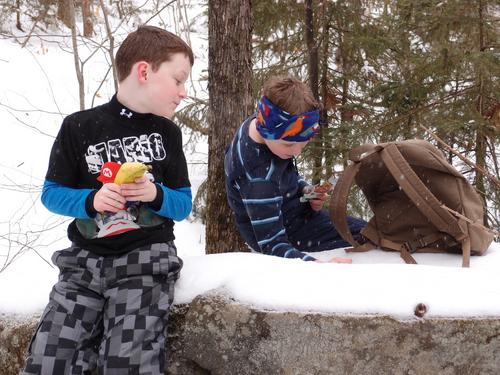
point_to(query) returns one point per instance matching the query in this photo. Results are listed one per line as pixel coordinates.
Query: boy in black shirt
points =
(109, 308)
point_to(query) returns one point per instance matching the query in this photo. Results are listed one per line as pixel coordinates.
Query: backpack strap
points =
(338, 202)
(423, 198)
(367, 246)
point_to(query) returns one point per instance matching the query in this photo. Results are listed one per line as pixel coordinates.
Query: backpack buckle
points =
(413, 246)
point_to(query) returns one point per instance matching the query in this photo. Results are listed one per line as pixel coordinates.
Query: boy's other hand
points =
(108, 198)
(318, 203)
(336, 260)
(142, 190)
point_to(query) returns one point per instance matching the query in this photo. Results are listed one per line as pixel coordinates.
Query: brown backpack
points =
(419, 201)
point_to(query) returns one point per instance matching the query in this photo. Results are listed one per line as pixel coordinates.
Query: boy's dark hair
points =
(151, 44)
(290, 94)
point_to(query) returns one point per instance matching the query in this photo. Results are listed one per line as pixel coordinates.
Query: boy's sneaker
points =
(112, 224)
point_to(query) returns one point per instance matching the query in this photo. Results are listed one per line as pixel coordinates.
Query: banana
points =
(129, 171)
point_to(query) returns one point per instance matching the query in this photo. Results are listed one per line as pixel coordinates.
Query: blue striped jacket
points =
(263, 191)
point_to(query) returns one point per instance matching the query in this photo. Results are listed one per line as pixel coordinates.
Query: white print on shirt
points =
(144, 149)
(124, 113)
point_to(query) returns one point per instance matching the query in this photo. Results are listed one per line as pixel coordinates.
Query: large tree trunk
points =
(230, 102)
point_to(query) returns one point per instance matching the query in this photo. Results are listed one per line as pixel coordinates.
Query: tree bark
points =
(313, 75)
(312, 49)
(88, 25)
(326, 102)
(65, 11)
(230, 93)
(481, 140)
(18, 16)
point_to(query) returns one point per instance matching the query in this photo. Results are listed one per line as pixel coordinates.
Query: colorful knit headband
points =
(273, 123)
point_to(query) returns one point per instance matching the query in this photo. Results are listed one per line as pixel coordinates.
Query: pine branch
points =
(473, 165)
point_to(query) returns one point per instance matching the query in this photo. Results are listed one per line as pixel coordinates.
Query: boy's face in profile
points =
(284, 149)
(166, 86)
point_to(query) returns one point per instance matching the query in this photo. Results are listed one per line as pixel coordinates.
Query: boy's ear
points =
(141, 71)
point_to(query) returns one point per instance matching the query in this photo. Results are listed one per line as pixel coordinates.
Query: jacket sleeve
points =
(173, 198)
(262, 202)
(66, 201)
(302, 184)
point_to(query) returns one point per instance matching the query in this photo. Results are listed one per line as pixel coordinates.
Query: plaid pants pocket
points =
(38, 329)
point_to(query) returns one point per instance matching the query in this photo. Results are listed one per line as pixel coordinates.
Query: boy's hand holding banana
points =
(122, 183)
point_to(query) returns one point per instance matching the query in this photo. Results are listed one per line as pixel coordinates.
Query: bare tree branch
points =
(78, 65)
(111, 43)
(40, 16)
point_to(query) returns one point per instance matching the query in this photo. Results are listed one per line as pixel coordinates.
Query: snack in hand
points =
(323, 188)
(319, 190)
(129, 171)
(125, 173)
(109, 223)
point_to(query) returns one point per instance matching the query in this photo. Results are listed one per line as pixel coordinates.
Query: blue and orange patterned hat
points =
(273, 123)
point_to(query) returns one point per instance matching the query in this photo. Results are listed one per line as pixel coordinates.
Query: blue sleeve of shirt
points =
(64, 200)
(68, 201)
(262, 202)
(177, 203)
(302, 184)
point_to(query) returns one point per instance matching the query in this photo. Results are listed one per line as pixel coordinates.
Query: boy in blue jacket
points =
(109, 308)
(262, 182)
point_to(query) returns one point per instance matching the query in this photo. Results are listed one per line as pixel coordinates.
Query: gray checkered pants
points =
(108, 313)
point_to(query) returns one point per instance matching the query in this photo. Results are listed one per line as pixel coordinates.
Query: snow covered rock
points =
(216, 335)
(15, 335)
(220, 336)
